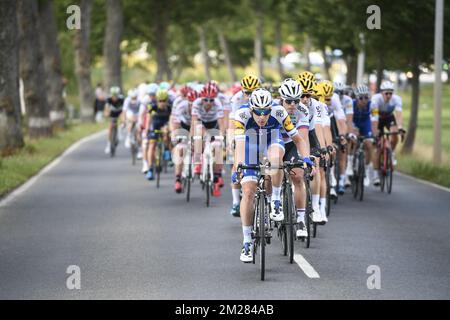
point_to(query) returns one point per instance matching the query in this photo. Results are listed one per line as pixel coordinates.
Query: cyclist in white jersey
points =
(290, 93)
(248, 84)
(131, 108)
(207, 114)
(317, 118)
(389, 109)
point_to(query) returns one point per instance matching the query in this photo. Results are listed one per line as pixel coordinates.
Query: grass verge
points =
(18, 168)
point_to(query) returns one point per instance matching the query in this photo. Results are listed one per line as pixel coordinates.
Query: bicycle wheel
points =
(262, 236)
(328, 180)
(113, 142)
(336, 174)
(290, 223)
(389, 171)
(361, 175)
(382, 170)
(188, 184)
(308, 218)
(133, 154)
(355, 177)
(207, 185)
(283, 225)
(158, 164)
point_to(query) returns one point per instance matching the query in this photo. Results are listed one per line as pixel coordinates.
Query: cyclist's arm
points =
(399, 114)
(374, 118)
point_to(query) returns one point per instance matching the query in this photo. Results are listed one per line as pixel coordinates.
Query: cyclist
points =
(362, 117)
(255, 123)
(249, 83)
(290, 93)
(114, 105)
(389, 106)
(345, 165)
(148, 99)
(131, 108)
(207, 113)
(317, 117)
(158, 120)
(182, 127)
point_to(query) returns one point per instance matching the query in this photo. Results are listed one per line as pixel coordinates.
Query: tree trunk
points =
(204, 50)
(111, 45)
(306, 51)
(352, 66)
(83, 63)
(279, 44)
(10, 118)
(52, 64)
(327, 64)
(32, 70)
(380, 69)
(161, 25)
(412, 126)
(226, 52)
(259, 41)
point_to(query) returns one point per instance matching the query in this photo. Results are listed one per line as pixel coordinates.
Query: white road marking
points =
(423, 181)
(17, 192)
(305, 266)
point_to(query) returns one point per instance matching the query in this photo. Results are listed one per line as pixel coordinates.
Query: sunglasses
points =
(162, 101)
(388, 93)
(290, 101)
(211, 100)
(247, 92)
(262, 112)
(306, 96)
(363, 98)
(327, 99)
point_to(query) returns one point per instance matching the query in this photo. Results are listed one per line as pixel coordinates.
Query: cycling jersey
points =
(160, 118)
(259, 139)
(131, 106)
(317, 113)
(347, 104)
(386, 108)
(214, 113)
(115, 106)
(236, 102)
(182, 113)
(225, 100)
(336, 109)
(362, 118)
(299, 118)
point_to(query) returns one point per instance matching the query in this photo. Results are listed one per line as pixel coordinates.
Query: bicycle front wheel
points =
(262, 236)
(389, 171)
(361, 175)
(158, 165)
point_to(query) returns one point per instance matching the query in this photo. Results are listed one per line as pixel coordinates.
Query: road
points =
(132, 241)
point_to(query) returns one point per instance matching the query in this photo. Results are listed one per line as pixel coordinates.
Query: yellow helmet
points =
(328, 88)
(307, 85)
(250, 83)
(162, 95)
(306, 75)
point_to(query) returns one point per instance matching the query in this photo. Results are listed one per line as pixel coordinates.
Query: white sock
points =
(315, 200)
(276, 193)
(323, 204)
(342, 180)
(247, 231)
(301, 215)
(269, 198)
(236, 196)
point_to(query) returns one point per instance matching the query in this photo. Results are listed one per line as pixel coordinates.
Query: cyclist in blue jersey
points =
(258, 134)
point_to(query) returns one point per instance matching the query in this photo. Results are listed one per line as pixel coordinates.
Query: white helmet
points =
(133, 93)
(114, 91)
(290, 89)
(362, 90)
(387, 86)
(260, 99)
(339, 87)
(152, 88)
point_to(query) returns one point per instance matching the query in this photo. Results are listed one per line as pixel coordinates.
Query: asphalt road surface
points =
(132, 241)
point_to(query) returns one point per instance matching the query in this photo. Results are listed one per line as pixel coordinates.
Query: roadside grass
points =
(19, 167)
(420, 162)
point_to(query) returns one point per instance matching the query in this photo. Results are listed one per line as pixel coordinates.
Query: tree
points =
(52, 63)
(111, 48)
(10, 119)
(32, 70)
(83, 62)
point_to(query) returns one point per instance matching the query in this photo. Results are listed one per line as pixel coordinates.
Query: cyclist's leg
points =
(249, 184)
